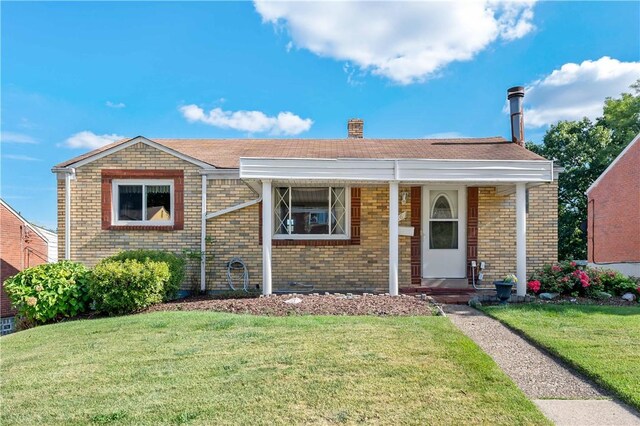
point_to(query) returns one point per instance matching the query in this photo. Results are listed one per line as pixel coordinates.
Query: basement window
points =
(143, 202)
(311, 212)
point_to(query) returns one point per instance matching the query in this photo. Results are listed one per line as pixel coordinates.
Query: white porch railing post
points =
(266, 236)
(393, 238)
(521, 238)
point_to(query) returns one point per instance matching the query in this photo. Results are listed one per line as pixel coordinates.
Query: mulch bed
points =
(309, 304)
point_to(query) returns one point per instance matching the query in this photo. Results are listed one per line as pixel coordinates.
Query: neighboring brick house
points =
(22, 245)
(353, 214)
(613, 230)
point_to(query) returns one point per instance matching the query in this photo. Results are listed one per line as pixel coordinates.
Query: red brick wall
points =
(614, 212)
(20, 248)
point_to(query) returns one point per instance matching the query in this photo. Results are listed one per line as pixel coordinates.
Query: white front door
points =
(444, 235)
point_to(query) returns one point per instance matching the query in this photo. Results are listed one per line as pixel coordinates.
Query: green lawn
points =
(214, 368)
(601, 341)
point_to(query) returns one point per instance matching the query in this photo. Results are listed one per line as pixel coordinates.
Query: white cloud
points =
(406, 42)
(18, 157)
(577, 90)
(286, 123)
(90, 140)
(14, 137)
(115, 104)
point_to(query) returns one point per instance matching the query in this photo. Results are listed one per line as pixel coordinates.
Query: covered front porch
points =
(439, 197)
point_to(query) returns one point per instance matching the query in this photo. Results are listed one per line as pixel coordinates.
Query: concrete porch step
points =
(445, 283)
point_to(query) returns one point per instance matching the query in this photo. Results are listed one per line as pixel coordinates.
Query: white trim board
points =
(405, 170)
(127, 144)
(613, 163)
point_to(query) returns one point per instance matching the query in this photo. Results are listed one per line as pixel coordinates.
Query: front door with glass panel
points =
(444, 232)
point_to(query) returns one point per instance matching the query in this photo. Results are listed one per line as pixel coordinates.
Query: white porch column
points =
(521, 238)
(203, 235)
(267, 226)
(393, 238)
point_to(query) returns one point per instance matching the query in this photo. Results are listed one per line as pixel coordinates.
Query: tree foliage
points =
(585, 149)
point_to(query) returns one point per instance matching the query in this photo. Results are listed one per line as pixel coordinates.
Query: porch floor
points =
(447, 291)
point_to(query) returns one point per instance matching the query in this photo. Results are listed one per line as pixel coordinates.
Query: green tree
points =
(622, 117)
(585, 149)
(577, 146)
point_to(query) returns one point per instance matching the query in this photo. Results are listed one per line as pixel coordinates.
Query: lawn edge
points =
(595, 379)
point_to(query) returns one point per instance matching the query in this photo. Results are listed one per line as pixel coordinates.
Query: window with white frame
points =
(311, 212)
(143, 202)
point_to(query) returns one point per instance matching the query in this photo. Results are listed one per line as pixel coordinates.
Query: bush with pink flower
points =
(570, 278)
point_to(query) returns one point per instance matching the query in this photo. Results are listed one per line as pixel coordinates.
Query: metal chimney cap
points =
(516, 91)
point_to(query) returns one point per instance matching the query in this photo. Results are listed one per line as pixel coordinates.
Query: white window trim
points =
(115, 202)
(345, 236)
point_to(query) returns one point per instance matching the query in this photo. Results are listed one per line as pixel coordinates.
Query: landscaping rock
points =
(293, 301)
(475, 302)
(604, 295)
(548, 296)
(629, 297)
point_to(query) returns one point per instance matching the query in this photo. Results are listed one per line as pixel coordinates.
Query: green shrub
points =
(618, 284)
(126, 286)
(50, 291)
(176, 267)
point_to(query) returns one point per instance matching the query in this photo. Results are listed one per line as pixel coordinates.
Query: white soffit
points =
(427, 170)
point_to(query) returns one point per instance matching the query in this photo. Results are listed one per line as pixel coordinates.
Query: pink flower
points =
(573, 264)
(534, 285)
(556, 268)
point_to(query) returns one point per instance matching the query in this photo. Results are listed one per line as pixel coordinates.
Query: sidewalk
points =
(562, 395)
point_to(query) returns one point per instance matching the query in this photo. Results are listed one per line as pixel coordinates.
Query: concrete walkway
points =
(562, 395)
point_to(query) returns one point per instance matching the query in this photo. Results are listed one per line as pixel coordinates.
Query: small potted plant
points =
(503, 288)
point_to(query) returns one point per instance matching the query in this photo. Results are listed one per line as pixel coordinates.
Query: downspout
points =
(67, 213)
(203, 235)
(238, 206)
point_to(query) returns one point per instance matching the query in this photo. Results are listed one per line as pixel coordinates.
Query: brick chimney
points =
(355, 128)
(515, 95)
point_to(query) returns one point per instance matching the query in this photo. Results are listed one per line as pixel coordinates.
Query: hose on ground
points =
(236, 264)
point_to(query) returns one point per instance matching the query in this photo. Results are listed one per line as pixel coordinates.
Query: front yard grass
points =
(601, 341)
(217, 368)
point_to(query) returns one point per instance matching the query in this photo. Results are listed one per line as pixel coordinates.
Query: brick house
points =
(613, 233)
(353, 214)
(22, 245)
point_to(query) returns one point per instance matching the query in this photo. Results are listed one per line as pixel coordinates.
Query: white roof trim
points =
(613, 163)
(127, 144)
(34, 228)
(406, 170)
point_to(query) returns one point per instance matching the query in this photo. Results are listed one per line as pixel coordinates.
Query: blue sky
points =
(77, 75)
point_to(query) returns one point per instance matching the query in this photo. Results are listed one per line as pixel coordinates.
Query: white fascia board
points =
(613, 163)
(221, 173)
(316, 169)
(414, 170)
(133, 141)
